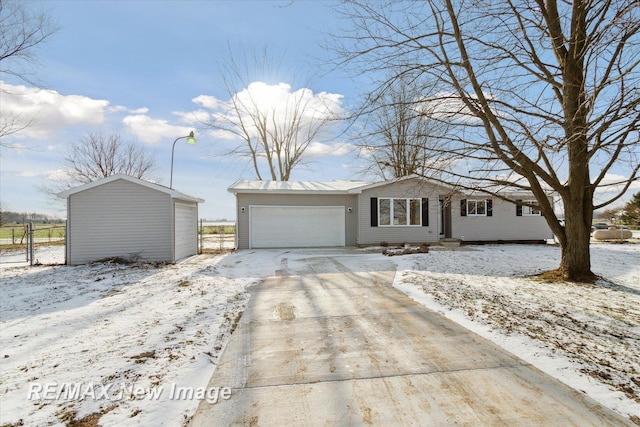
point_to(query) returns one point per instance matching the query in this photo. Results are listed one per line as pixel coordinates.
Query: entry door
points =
(445, 218)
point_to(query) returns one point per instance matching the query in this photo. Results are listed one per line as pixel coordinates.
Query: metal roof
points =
(173, 193)
(306, 187)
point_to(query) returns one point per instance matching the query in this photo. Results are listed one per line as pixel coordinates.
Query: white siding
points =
(504, 224)
(413, 188)
(122, 219)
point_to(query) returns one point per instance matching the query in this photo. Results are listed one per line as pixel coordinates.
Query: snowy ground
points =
(125, 336)
(588, 336)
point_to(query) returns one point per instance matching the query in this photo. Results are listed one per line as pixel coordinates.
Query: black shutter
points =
(518, 207)
(425, 212)
(374, 211)
(489, 207)
(463, 207)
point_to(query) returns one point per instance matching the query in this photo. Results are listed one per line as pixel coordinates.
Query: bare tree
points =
(22, 30)
(401, 134)
(274, 124)
(545, 95)
(98, 156)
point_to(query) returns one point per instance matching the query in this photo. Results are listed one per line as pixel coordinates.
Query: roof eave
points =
(281, 191)
(174, 194)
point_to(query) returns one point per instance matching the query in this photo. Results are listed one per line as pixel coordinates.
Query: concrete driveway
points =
(333, 343)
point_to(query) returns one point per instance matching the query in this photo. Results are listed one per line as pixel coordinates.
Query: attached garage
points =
(297, 226)
(122, 216)
(288, 214)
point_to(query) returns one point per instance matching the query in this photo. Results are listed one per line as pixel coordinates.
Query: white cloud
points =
(277, 102)
(122, 108)
(43, 111)
(29, 173)
(154, 131)
(197, 117)
(337, 149)
(56, 175)
(207, 101)
(613, 183)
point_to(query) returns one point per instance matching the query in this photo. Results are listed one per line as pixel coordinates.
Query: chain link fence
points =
(44, 244)
(216, 237)
(34, 244)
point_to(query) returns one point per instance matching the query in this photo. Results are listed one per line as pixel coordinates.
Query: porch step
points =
(450, 242)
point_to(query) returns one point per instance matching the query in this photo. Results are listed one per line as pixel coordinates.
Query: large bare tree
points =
(545, 95)
(274, 123)
(399, 135)
(22, 31)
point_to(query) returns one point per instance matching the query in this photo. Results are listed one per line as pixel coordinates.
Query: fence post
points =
(30, 243)
(66, 239)
(25, 235)
(201, 236)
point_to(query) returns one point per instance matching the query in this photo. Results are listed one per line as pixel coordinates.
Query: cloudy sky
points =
(149, 71)
(146, 70)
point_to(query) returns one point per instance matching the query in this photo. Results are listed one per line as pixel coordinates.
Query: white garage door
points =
(296, 226)
(186, 231)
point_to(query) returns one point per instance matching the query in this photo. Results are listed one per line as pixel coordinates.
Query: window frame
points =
(529, 210)
(407, 208)
(475, 210)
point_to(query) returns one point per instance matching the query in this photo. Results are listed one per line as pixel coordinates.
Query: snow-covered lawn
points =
(114, 342)
(114, 339)
(588, 336)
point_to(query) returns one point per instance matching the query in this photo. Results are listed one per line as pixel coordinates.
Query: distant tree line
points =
(9, 217)
(629, 214)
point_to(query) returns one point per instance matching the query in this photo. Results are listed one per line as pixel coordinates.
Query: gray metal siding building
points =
(122, 216)
(351, 213)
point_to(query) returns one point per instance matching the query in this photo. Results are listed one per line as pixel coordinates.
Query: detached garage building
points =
(122, 216)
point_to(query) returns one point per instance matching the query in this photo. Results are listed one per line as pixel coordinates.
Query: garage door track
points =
(334, 344)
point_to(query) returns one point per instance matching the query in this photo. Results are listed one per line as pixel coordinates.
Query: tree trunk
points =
(575, 263)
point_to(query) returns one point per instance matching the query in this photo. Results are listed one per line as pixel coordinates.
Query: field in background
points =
(16, 234)
(216, 237)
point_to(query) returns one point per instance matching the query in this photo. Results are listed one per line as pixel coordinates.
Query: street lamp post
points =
(191, 139)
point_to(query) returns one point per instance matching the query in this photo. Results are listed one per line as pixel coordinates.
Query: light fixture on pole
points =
(191, 139)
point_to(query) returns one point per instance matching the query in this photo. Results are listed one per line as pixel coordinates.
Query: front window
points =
(528, 209)
(385, 212)
(477, 207)
(399, 212)
(415, 211)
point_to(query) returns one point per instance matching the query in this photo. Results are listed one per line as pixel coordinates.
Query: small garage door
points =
(186, 231)
(296, 226)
